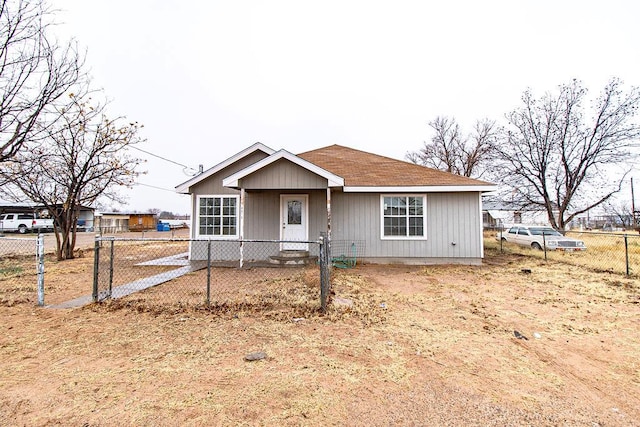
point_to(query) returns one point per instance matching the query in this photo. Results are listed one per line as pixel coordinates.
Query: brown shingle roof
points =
(362, 169)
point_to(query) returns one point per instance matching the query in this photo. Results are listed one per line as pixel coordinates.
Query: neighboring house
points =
(400, 212)
(111, 222)
(142, 221)
(86, 217)
(120, 222)
(18, 207)
(498, 213)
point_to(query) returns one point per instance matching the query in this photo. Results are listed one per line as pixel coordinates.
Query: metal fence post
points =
(40, 268)
(111, 268)
(209, 273)
(323, 303)
(324, 271)
(327, 269)
(626, 253)
(96, 267)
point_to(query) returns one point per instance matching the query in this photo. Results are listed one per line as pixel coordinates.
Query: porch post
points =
(329, 214)
(241, 228)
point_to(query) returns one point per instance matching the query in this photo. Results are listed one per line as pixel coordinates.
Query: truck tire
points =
(536, 246)
(22, 229)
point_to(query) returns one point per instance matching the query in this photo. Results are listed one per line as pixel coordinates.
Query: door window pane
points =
(294, 212)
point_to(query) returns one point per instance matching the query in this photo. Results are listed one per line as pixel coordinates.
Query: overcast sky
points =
(209, 78)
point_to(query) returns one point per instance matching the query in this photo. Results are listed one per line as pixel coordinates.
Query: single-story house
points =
(500, 213)
(111, 222)
(121, 222)
(13, 207)
(142, 221)
(399, 211)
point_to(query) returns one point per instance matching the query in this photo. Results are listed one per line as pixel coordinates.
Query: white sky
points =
(209, 78)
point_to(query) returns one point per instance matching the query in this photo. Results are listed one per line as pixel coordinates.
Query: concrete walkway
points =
(140, 284)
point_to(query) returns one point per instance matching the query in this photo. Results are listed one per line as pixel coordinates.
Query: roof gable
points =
(332, 179)
(184, 187)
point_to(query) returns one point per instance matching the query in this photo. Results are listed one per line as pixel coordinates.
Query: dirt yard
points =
(399, 346)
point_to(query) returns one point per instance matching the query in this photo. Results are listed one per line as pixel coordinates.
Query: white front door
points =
(294, 220)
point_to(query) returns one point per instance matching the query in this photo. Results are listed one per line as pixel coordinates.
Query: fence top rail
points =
(21, 239)
(183, 239)
(628, 233)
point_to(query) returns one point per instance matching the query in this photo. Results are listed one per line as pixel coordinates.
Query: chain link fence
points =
(21, 270)
(347, 253)
(610, 252)
(216, 275)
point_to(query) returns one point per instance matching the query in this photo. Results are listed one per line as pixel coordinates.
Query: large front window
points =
(218, 216)
(403, 216)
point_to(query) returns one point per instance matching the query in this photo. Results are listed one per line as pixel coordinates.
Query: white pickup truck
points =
(24, 222)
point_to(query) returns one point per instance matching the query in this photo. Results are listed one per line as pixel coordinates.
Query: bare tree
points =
(35, 71)
(620, 211)
(83, 157)
(451, 151)
(167, 215)
(554, 157)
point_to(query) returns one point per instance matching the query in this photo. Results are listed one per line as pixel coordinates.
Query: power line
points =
(157, 188)
(164, 158)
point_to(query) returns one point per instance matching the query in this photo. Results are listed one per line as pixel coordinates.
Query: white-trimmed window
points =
(218, 216)
(403, 216)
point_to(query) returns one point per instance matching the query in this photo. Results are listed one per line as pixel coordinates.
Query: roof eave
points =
(184, 187)
(420, 189)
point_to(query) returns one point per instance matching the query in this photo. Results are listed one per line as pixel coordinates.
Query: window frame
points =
(406, 236)
(237, 216)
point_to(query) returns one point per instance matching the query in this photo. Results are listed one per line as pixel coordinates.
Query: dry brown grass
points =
(271, 291)
(18, 279)
(605, 252)
(405, 346)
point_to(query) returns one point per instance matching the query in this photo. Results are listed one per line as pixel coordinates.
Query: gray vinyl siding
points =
(282, 175)
(317, 213)
(262, 222)
(451, 218)
(213, 184)
(262, 214)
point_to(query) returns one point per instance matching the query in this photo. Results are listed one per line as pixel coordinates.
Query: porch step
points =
(293, 253)
(292, 258)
